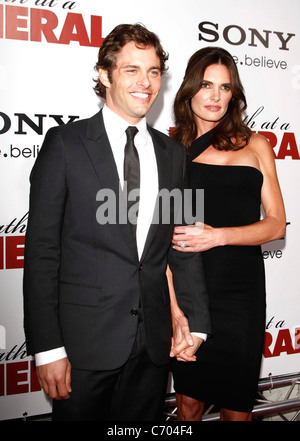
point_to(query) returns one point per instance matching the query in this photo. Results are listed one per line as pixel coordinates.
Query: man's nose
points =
(144, 80)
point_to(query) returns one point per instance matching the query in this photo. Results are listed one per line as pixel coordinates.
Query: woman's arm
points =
(184, 345)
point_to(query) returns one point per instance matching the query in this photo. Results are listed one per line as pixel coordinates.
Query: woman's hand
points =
(194, 238)
(184, 344)
(182, 339)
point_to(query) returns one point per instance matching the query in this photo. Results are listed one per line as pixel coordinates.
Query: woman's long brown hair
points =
(231, 133)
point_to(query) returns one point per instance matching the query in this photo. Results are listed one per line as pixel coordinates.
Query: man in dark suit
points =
(96, 300)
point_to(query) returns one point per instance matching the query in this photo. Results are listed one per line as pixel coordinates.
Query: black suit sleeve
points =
(190, 289)
(43, 246)
(189, 283)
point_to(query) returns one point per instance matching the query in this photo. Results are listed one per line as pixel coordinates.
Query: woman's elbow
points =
(281, 229)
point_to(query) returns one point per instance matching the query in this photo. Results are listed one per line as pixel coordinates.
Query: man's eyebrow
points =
(127, 66)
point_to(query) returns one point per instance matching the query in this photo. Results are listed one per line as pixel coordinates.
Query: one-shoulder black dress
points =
(227, 369)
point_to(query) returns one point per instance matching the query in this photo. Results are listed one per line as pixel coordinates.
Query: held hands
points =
(194, 238)
(55, 379)
(184, 345)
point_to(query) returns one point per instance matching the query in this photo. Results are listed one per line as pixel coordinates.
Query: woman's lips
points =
(213, 108)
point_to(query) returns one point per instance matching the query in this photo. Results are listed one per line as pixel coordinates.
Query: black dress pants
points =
(133, 392)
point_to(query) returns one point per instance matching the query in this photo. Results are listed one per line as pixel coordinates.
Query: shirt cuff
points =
(200, 335)
(50, 356)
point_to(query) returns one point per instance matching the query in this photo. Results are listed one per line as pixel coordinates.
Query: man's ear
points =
(103, 77)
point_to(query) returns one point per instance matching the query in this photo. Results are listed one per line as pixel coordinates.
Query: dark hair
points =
(231, 133)
(113, 43)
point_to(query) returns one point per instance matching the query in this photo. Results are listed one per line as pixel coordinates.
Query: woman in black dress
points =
(237, 171)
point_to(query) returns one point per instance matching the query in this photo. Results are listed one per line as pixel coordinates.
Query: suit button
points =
(140, 267)
(134, 312)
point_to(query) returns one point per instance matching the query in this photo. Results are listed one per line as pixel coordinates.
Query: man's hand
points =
(184, 345)
(189, 353)
(55, 379)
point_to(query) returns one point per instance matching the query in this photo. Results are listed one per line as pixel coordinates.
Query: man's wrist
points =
(200, 335)
(50, 356)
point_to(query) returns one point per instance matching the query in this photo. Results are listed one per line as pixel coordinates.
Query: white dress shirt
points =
(115, 128)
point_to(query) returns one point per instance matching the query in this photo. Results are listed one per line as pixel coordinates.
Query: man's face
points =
(136, 82)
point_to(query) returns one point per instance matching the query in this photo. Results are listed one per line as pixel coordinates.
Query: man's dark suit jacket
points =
(83, 281)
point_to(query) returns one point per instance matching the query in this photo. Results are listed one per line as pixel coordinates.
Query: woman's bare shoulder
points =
(260, 145)
(262, 149)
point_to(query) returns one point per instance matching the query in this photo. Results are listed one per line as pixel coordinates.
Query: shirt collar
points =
(115, 126)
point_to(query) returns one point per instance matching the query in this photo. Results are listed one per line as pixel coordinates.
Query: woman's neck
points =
(205, 126)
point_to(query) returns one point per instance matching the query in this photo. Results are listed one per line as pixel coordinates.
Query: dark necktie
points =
(132, 175)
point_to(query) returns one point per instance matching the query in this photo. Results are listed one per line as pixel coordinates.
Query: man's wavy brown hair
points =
(231, 133)
(113, 43)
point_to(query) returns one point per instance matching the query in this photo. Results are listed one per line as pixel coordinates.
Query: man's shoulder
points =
(74, 127)
(166, 139)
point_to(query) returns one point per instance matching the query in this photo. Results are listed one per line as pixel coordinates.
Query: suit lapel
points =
(101, 156)
(163, 160)
(164, 179)
(100, 153)
(99, 150)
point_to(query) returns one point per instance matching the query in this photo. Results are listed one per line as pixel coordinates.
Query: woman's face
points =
(211, 102)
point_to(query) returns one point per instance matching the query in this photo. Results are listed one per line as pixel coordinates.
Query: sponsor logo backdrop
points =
(48, 51)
